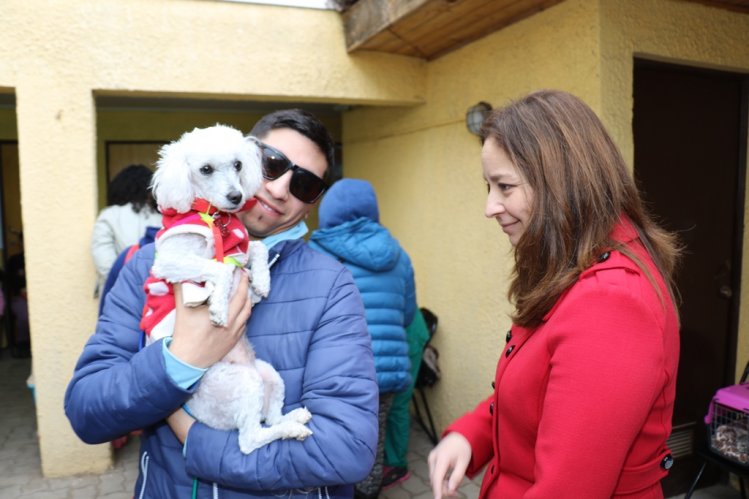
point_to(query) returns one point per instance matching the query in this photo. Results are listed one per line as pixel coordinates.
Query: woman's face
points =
(510, 197)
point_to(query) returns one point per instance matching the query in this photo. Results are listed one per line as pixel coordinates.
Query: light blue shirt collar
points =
(299, 230)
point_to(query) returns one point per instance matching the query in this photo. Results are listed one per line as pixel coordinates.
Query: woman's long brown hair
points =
(581, 188)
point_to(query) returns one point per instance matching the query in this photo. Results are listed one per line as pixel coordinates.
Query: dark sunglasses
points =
(305, 185)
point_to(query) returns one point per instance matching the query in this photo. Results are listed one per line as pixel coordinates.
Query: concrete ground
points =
(20, 468)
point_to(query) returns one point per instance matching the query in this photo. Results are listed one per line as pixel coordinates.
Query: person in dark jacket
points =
(311, 328)
(122, 259)
(350, 231)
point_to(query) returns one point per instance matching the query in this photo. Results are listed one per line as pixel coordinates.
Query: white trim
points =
(306, 4)
(144, 471)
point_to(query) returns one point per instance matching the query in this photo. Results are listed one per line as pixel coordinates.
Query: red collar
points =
(204, 206)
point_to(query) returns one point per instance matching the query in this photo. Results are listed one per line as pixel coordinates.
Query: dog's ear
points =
(251, 176)
(171, 182)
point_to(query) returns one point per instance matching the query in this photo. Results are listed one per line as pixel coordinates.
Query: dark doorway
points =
(14, 315)
(690, 151)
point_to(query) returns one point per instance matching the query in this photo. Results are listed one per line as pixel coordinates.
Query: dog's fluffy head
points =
(217, 164)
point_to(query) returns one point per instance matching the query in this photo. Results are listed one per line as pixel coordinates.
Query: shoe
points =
(392, 476)
(361, 495)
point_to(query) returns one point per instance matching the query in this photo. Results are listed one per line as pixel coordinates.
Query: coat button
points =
(508, 337)
(667, 462)
(509, 350)
(604, 256)
(491, 408)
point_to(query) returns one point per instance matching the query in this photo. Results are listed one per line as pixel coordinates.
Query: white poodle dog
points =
(201, 181)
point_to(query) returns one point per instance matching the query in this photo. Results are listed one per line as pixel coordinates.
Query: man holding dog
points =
(311, 328)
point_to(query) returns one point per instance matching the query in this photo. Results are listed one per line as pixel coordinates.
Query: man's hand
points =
(198, 342)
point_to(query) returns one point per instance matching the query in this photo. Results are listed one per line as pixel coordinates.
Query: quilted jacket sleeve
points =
(411, 304)
(341, 393)
(116, 388)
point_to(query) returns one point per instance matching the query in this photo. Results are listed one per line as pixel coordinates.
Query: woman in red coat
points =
(585, 386)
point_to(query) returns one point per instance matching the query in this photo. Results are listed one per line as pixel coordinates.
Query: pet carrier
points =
(727, 424)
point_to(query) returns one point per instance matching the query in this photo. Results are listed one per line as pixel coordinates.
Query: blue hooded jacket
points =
(350, 231)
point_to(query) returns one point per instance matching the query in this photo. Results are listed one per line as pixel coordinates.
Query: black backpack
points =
(429, 371)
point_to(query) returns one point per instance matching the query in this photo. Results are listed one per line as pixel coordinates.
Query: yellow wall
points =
(426, 167)
(56, 56)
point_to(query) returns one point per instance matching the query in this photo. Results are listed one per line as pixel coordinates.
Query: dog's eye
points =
(238, 166)
(206, 169)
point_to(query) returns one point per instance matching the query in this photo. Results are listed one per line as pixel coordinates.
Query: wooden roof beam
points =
(367, 18)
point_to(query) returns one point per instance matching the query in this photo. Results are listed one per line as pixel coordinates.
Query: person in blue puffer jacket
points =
(351, 232)
(311, 328)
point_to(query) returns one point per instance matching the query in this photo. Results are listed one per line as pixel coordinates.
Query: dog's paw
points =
(254, 297)
(261, 287)
(258, 269)
(218, 318)
(195, 294)
(299, 415)
(298, 431)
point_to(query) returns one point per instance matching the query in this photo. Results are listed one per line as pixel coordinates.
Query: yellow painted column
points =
(57, 157)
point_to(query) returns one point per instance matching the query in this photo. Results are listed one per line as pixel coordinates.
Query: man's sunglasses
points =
(305, 185)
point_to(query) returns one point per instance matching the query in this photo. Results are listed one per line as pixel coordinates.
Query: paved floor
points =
(20, 468)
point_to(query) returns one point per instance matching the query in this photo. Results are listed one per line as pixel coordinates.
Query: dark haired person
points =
(311, 328)
(585, 387)
(130, 210)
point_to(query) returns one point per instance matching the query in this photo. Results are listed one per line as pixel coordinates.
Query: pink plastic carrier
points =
(728, 423)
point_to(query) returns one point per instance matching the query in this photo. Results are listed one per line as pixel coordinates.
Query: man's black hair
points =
(306, 124)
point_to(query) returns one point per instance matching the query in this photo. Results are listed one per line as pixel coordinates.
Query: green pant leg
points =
(398, 428)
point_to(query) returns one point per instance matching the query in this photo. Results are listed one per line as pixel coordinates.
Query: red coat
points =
(583, 403)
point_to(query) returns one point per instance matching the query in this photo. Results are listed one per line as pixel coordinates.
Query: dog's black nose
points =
(234, 197)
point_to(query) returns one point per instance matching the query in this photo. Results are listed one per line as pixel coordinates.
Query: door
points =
(689, 136)
(15, 318)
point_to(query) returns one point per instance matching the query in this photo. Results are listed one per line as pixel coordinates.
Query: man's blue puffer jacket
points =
(311, 328)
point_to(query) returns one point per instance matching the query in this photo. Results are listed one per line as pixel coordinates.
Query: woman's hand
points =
(198, 342)
(449, 459)
(180, 422)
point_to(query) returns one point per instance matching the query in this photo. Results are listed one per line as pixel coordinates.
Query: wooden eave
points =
(431, 28)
